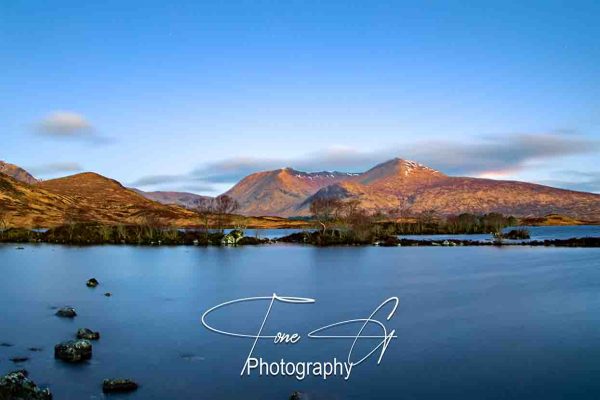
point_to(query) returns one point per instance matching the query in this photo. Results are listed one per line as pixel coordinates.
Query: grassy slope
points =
(91, 197)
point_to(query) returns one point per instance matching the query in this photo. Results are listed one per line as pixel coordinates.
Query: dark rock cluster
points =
(17, 386)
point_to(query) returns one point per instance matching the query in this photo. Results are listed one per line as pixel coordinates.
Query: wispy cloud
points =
(69, 125)
(55, 168)
(576, 180)
(492, 156)
(499, 154)
(150, 180)
(502, 154)
(184, 182)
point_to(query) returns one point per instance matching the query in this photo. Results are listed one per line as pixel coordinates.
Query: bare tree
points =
(204, 210)
(224, 207)
(324, 210)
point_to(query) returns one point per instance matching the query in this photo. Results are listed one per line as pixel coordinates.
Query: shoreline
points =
(581, 242)
(144, 235)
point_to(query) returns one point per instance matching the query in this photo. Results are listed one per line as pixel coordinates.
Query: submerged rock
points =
(35, 349)
(118, 385)
(18, 360)
(73, 350)
(16, 386)
(298, 396)
(108, 294)
(66, 312)
(92, 283)
(88, 334)
(4, 344)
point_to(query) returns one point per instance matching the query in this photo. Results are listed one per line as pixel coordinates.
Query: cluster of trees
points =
(429, 222)
(347, 222)
(346, 218)
(217, 213)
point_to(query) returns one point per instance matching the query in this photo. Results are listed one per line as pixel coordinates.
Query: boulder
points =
(87, 334)
(17, 386)
(66, 312)
(92, 283)
(108, 294)
(118, 385)
(73, 350)
(233, 237)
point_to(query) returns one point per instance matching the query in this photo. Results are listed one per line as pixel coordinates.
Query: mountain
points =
(285, 192)
(17, 172)
(411, 186)
(184, 199)
(279, 192)
(89, 197)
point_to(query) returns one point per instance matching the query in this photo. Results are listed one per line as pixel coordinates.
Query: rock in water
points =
(66, 312)
(73, 350)
(118, 385)
(92, 282)
(19, 359)
(297, 396)
(16, 385)
(88, 334)
(108, 294)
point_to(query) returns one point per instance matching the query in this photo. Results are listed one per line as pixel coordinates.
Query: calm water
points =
(473, 323)
(536, 233)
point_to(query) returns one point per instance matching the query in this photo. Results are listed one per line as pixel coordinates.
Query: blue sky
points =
(192, 95)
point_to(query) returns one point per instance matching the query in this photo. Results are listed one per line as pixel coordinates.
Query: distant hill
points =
(411, 186)
(17, 172)
(89, 197)
(184, 199)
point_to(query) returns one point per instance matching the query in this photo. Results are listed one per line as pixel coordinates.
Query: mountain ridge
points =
(395, 184)
(414, 187)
